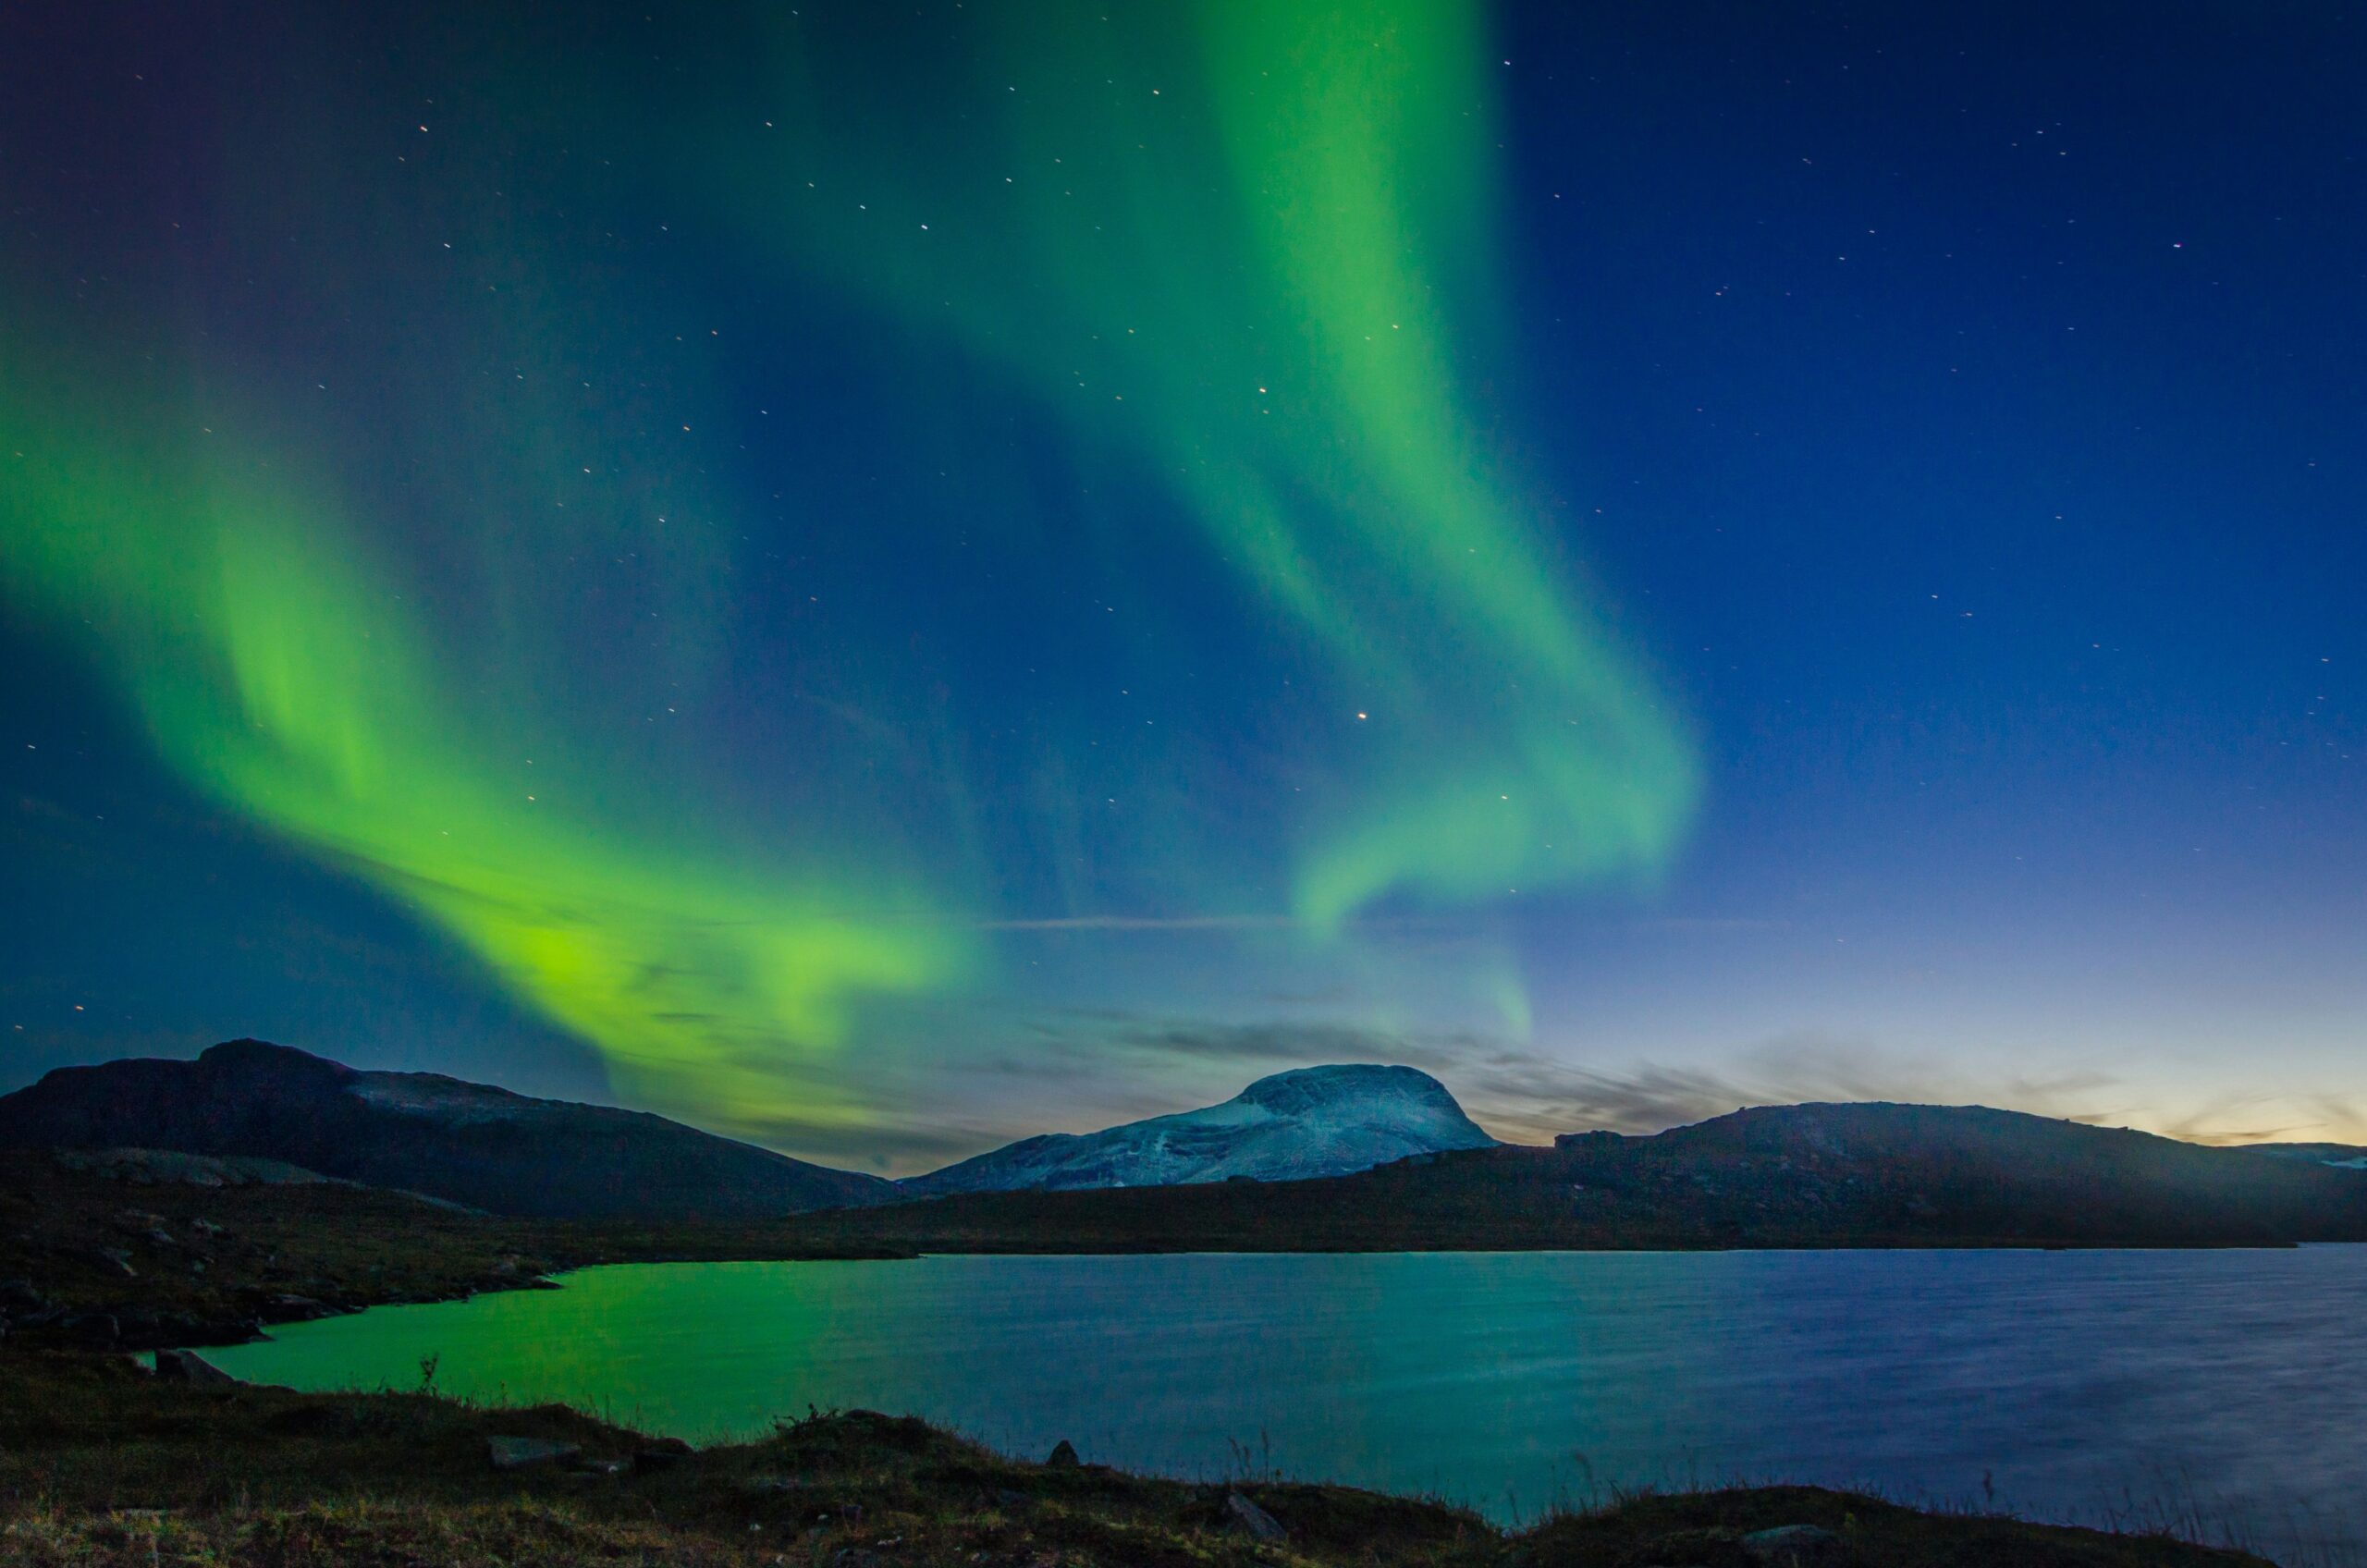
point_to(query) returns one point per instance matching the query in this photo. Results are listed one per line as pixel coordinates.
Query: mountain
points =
(1314, 1122)
(424, 1133)
(1779, 1176)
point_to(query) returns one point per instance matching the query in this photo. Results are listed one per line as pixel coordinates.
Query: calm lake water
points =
(2088, 1386)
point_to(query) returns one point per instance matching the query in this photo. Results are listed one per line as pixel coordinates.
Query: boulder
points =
(660, 1454)
(517, 1453)
(187, 1367)
(1795, 1546)
(1063, 1457)
(1260, 1525)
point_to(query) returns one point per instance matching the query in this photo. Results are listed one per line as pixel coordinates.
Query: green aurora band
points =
(1240, 238)
(1244, 249)
(237, 614)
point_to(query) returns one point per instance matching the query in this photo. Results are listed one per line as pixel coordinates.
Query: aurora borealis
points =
(878, 581)
(246, 605)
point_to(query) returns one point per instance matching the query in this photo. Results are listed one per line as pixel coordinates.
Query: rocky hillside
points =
(1314, 1122)
(465, 1142)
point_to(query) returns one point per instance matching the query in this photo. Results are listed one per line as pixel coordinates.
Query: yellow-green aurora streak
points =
(269, 673)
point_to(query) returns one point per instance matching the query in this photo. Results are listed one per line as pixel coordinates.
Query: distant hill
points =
(2348, 1156)
(1788, 1176)
(465, 1142)
(1313, 1121)
(1423, 1176)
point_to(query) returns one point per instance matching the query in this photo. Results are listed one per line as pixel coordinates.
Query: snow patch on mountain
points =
(1313, 1121)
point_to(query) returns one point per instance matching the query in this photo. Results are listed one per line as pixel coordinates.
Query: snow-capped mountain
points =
(1313, 1121)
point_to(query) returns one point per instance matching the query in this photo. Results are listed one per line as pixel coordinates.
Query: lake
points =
(2087, 1386)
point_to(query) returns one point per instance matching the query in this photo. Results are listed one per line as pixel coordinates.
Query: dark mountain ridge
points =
(1779, 1176)
(1810, 1175)
(466, 1143)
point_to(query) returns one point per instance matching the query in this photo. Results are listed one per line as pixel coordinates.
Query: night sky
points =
(882, 579)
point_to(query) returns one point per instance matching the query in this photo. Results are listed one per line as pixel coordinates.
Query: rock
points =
(187, 1367)
(660, 1454)
(1711, 1548)
(1794, 1546)
(1254, 1519)
(604, 1467)
(516, 1454)
(116, 1258)
(1063, 1457)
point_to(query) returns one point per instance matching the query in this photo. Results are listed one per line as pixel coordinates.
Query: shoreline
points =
(97, 1262)
(102, 1465)
(106, 1464)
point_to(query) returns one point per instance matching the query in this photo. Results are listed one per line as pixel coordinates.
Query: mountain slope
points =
(1314, 1122)
(1783, 1176)
(467, 1142)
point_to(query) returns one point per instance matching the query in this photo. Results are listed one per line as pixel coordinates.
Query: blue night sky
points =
(860, 581)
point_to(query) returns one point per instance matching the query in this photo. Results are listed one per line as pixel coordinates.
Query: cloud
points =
(1526, 1096)
(2268, 1118)
(1289, 1040)
(1532, 1096)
